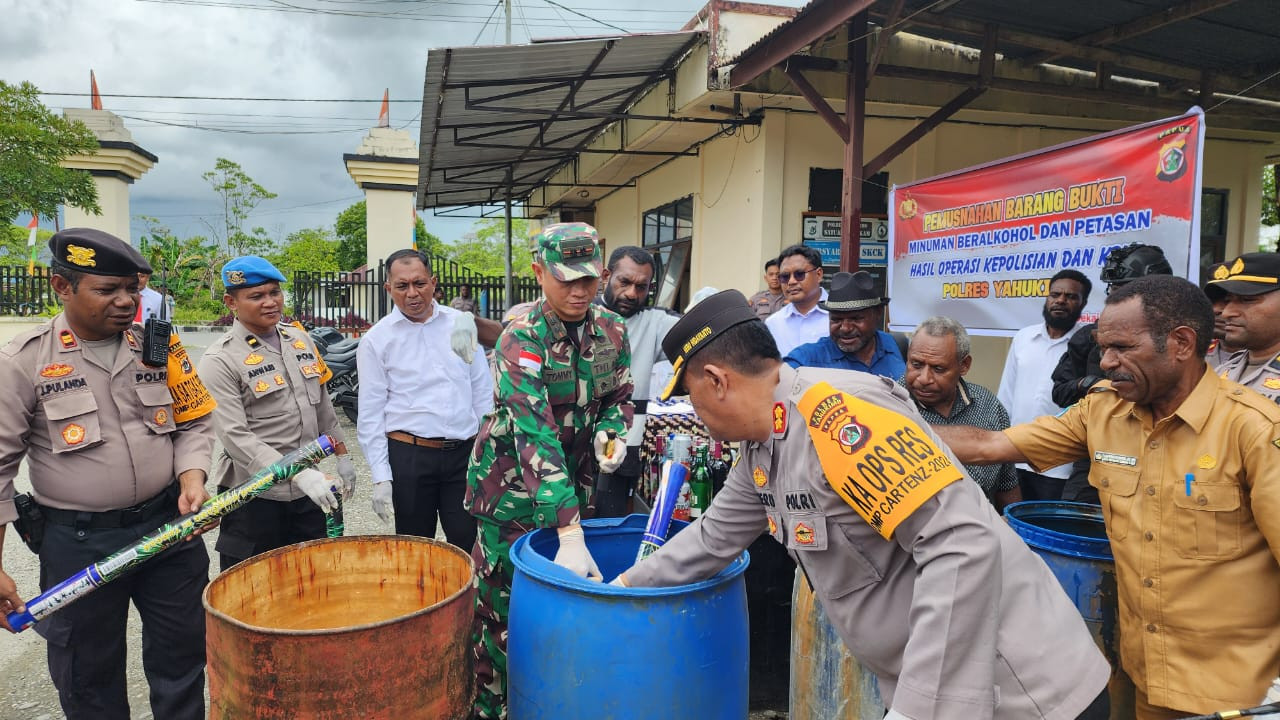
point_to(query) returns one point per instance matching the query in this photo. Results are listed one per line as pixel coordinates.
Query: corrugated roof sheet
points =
(525, 109)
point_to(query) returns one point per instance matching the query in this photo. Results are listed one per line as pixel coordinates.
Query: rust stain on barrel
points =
(375, 627)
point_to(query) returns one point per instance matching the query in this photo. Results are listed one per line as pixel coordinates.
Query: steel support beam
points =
(924, 128)
(819, 103)
(806, 29)
(855, 111)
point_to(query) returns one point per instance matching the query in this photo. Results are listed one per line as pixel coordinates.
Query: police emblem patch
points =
(236, 277)
(56, 370)
(761, 479)
(81, 256)
(161, 417)
(804, 534)
(1272, 383)
(1207, 462)
(852, 436)
(299, 345)
(279, 379)
(73, 434)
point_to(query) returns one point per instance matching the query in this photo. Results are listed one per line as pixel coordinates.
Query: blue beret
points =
(248, 271)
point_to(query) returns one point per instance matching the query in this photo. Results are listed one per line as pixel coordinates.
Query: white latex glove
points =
(895, 715)
(316, 486)
(463, 338)
(609, 461)
(382, 501)
(573, 553)
(619, 581)
(347, 472)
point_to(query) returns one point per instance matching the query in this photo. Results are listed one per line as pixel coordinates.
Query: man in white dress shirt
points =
(1026, 387)
(420, 406)
(801, 320)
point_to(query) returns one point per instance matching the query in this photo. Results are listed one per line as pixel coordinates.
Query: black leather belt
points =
(161, 506)
(435, 443)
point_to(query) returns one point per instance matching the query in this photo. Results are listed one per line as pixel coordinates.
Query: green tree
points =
(13, 245)
(353, 240)
(312, 249)
(1270, 198)
(185, 268)
(33, 143)
(240, 195)
(484, 248)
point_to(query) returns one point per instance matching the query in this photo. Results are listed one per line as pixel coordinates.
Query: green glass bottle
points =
(334, 526)
(700, 483)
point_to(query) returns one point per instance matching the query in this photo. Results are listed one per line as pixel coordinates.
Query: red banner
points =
(979, 245)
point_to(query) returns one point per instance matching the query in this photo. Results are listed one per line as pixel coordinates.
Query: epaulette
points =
(19, 341)
(1213, 346)
(1255, 400)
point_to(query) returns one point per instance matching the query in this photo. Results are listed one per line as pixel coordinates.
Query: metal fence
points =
(23, 293)
(352, 301)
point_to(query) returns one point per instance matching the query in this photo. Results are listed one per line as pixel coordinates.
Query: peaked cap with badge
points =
(96, 252)
(852, 291)
(1250, 274)
(702, 324)
(249, 271)
(571, 251)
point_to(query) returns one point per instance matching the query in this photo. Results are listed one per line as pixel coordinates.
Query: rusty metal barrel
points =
(827, 681)
(355, 627)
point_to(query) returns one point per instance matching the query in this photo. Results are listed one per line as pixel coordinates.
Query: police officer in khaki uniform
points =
(1251, 320)
(922, 580)
(269, 380)
(114, 448)
(1187, 465)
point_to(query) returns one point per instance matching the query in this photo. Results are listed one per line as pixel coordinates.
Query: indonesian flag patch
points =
(529, 360)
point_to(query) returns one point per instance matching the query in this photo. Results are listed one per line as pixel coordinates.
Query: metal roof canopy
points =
(499, 121)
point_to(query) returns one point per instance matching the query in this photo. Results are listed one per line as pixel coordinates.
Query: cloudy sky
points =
(287, 49)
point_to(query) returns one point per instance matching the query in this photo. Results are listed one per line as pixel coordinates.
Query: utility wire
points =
(492, 12)
(566, 8)
(217, 97)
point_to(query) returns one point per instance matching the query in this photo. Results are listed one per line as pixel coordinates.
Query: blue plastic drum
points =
(578, 649)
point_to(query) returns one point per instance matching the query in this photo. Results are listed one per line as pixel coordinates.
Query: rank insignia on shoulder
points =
(779, 418)
(253, 359)
(262, 386)
(133, 342)
(67, 339)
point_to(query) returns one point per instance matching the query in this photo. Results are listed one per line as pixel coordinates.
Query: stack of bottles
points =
(687, 474)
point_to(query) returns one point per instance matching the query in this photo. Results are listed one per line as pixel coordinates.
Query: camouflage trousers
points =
(494, 572)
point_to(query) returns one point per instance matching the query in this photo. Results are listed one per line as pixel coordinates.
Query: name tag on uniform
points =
(1114, 458)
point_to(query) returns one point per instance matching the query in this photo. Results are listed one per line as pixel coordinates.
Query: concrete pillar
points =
(116, 165)
(385, 166)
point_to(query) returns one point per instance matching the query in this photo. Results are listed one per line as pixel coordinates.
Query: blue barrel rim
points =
(538, 567)
(1054, 541)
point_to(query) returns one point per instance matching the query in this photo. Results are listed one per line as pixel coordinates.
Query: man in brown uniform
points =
(114, 448)
(1246, 290)
(1186, 464)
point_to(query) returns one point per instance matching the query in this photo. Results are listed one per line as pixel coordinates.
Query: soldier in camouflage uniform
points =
(563, 385)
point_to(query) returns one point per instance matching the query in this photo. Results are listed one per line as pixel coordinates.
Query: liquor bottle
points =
(700, 483)
(333, 523)
(719, 468)
(681, 451)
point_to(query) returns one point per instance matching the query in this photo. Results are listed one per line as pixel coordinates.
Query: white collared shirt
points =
(791, 329)
(1026, 387)
(411, 381)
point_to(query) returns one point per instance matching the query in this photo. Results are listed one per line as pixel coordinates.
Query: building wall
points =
(751, 188)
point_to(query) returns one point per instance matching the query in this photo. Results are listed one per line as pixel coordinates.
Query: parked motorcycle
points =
(339, 353)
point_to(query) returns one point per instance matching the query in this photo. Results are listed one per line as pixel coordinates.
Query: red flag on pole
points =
(384, 117)
(96, 101)
(31, 243)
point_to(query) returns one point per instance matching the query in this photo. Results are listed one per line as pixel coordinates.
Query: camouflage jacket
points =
(533, 455)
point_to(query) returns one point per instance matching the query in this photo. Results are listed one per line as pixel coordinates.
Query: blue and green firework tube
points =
(168, 535)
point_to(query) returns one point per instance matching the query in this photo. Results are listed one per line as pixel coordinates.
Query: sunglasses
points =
(799, 275)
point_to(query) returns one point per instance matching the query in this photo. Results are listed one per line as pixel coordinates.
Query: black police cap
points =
(96, 252)
(702, 324)
(1250, 274)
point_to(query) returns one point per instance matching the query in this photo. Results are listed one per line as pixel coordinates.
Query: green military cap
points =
(569, 250)
(698, 328)
(96, 252)
(1250, 274)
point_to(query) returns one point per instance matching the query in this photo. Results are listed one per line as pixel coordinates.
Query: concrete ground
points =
(26, 692)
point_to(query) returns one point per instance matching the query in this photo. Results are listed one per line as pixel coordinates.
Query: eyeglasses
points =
(785, 277)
